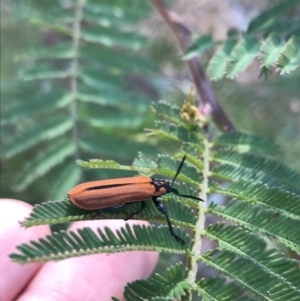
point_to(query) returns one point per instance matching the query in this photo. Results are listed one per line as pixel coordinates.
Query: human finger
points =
(92, 277)
(14, 276)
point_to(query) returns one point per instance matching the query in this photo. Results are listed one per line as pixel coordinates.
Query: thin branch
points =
(209, 104)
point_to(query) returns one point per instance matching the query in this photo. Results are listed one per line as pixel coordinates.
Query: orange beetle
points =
(112, 193)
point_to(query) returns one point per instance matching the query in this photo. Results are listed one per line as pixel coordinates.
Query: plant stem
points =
(74, 72)
(200, 225)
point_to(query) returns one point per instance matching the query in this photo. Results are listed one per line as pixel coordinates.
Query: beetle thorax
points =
(158, 184)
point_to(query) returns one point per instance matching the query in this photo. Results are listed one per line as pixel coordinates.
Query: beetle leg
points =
(143, 206)
(163, 209)
(102, 211)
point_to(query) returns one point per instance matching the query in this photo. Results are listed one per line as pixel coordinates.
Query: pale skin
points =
(92, 277)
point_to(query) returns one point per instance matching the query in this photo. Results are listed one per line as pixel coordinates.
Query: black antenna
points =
(188, 196)
(175, 190)
(178, 169)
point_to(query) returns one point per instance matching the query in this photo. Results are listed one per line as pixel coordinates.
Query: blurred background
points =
(78, 78)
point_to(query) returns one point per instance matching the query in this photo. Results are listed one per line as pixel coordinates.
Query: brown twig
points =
(209, 104)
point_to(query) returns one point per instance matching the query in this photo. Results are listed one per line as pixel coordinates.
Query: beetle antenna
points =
(188, 196)
(178, 170)
(175, 190)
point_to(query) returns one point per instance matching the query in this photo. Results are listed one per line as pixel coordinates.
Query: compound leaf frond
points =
(266, 222)
(85, 241)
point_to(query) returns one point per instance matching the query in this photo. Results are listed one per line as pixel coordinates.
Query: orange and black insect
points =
(112, 193)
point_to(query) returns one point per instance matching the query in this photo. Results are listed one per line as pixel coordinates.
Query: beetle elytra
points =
(112, 193)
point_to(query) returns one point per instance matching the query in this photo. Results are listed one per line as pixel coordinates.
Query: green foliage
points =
(202, 44)
(75, 84)
(290, 57)
(246, 142)
(64, 245)
(264, 204)
(270, 16)
(273, 41)
(174, 285)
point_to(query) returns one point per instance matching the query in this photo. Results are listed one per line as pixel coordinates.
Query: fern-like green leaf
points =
(144, 162)
(289, 58)
(109, 96)
(97, 78)
(270, 50)
(242, 55)
(44, 71)
(272, 198)
(55, 26)
(266, 222)
(235, 173)
(55, 14)
(246, 142)
(117, 12)
(110, 117)
(100, 80)
(108, 16)
(111, 37)
(54, 212)
(46, 130)
(286, 26)
(270, 16)
(176, 133)
(216, 289)
(97, 163)
(234, 57)
(94, 146)
(188, 174)
(264, 285)
(64, 244)
(200, 45)
(66, 177)
(119, 60)
(39, 166)
(37, 107)
(60, 51)
(168, 111)
(272, 169)
(252, 247)
(174, 285)
(217, 65)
